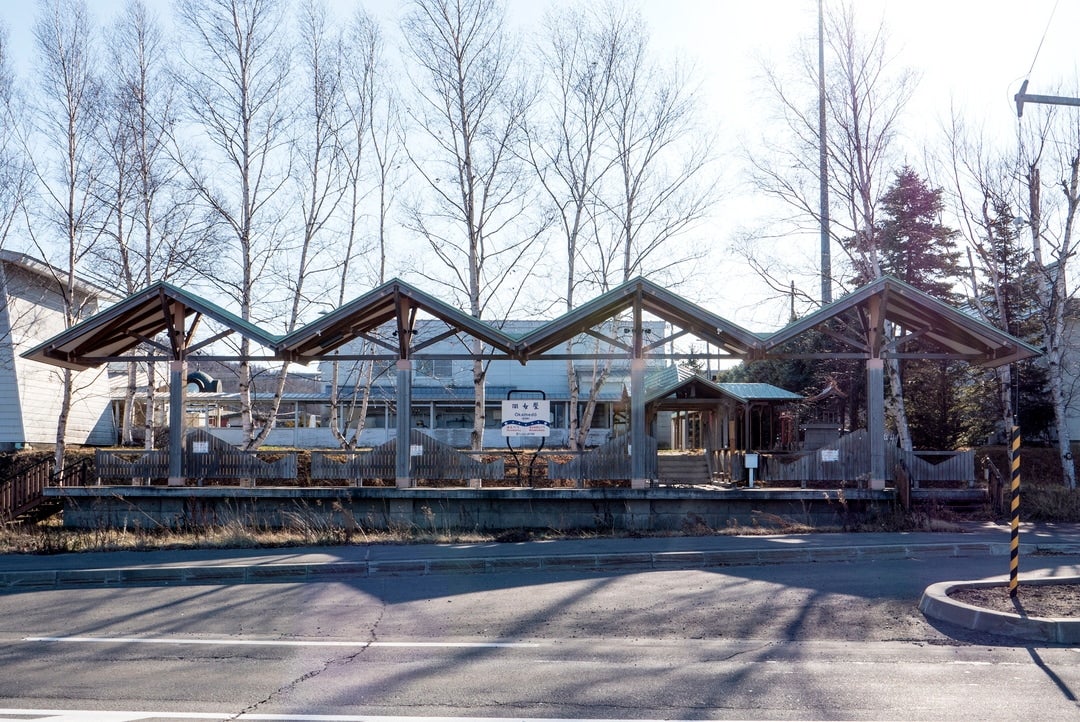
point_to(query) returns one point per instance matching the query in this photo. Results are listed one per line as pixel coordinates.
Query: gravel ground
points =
(1033, 600)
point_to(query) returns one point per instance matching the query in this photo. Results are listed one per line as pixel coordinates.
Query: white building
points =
(33, 311)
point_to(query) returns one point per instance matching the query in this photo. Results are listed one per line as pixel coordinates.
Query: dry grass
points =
(51, 538)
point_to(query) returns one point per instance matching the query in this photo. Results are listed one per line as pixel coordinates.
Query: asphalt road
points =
(841, 640)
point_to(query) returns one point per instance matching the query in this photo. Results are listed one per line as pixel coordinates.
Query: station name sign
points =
(526, 417)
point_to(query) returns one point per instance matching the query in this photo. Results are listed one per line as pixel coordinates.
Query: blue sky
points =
(973, 54)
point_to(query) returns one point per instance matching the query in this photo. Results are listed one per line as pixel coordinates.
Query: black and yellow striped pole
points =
(1014, 540)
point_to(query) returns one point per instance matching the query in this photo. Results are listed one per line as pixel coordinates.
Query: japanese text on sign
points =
(526, 417)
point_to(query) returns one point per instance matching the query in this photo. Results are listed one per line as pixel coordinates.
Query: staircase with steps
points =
(22, 500)
(683, 468)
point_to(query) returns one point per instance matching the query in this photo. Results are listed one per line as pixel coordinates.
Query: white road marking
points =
(275, 642)
(65, 715)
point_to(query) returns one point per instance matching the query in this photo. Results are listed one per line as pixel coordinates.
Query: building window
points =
(435, 368)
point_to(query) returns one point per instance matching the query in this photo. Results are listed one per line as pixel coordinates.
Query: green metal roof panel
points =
(741, 392)
(130, 322)
(759, 392)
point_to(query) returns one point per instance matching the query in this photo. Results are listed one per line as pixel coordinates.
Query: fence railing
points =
(135, 466)
(850, 462)
(607, 461)
(428, 459)
(218, 464)
(24, 488)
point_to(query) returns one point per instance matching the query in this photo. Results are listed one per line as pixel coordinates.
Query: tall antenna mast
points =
(823, 169)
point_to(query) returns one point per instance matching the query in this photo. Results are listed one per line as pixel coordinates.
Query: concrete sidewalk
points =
(237, 566)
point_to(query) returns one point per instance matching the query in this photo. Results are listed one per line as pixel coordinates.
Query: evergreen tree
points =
(917, 248)
(1018, 313)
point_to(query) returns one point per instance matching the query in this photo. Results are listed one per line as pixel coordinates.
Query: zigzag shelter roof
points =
(854, 324)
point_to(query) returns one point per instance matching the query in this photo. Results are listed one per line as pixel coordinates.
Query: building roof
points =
(139, 319)
(687, 384)
(856, 322)
(642, 295)
(57, 275)
(394, 300)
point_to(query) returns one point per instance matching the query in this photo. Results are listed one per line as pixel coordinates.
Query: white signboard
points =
(526, 417)
(830, 455)
(200, 447)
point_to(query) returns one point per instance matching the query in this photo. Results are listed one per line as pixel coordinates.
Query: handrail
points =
(24, 489)
(79, 473)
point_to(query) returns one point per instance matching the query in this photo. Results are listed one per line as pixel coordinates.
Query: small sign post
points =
(525, 417)
(750, 461)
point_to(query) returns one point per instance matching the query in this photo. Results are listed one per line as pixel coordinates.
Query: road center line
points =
(277, 642)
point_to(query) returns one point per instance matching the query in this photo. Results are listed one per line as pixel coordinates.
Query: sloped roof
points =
(394, 299)
(162, 307)
(139, 319)
(956, 334)
(740, 392)
(58, 276)
(758, 392)
(654, 299)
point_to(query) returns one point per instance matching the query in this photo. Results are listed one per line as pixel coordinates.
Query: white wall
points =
(33, 316)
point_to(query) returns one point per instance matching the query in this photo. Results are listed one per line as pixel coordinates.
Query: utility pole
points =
(1023, 97)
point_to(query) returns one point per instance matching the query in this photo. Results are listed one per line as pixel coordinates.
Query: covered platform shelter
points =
(158, 323)
(400, 303)
(627, 304)
(888, 319)
(726, 420)
(880, 321)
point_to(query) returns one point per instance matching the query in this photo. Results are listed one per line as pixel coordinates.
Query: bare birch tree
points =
(982, 188)
(15, 170)
(864, 97)
(372, 143)
(664, 184)
(15, 185)
(470, 106)
(1052, 202)
(319, 179)
(234, 76)
(68, 171)
(568, 152)
(621, 159)
(153, 231)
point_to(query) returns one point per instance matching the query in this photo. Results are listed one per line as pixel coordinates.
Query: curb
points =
(25, 580)
(937, 604)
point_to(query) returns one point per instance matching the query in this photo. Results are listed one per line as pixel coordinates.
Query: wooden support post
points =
(177, 384)
(875, 420)
(403, 460)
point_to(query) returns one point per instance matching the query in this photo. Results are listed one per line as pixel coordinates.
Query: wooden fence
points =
(430, 459)
(143, 466)
(609, 461)
(134, 466)
(850, 462)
